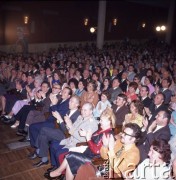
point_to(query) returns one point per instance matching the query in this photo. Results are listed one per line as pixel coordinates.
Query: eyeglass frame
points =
(126, 134)
(55, 87)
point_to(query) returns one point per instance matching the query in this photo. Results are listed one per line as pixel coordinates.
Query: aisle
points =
(14, 164)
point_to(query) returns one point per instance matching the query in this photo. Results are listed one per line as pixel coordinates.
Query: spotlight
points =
(163, 28)
(92, 30)
(158, 28)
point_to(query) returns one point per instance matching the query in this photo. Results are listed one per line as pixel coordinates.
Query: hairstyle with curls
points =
(163, 148)
(138, 105)
(93, 84)
(108, 113)
(134, 85)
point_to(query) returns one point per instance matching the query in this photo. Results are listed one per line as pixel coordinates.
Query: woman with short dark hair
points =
(155, 167)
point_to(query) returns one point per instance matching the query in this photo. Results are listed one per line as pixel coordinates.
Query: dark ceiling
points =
(157, 3)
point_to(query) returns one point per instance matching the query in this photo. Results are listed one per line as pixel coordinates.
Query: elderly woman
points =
(74, 160)
(136, 115)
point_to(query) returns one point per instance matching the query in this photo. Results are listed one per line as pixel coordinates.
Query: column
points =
(170, 22)
(101, 24)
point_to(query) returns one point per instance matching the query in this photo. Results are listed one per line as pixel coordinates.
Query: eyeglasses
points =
(56, 88)
(126, 134)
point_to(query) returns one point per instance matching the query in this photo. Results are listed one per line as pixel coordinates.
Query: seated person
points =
(172, 143)
(120, 109)
(156, 166)
(90, 95)
(172, 124)
(8, 100)
(48, 134)
(75, 159)
(85, 121)
(102, 105)
(131, 93)
(21, 116)
(123, 152)
(158, 130)
(136, 115)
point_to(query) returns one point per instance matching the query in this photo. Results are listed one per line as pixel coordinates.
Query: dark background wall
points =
(52, 21)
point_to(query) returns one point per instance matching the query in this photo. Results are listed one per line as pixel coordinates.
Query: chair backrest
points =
(117, 129)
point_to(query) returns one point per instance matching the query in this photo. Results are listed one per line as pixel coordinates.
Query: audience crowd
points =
(118, 103)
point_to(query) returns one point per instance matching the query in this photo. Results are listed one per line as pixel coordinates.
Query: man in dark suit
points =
(167, 92)
(121, 70)
(124, 84)
(114, 74)
(120, 109)
(62, 107)
(158, 130)
(41, 113)
(115, 90)
(156, 106)
(144, 92)
(47, 134)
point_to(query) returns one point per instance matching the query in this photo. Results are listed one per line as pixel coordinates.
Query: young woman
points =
(136, 115)
(102, 104)
(81, 88)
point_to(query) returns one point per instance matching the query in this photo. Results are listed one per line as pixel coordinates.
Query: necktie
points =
(117, 109)
(119, 152)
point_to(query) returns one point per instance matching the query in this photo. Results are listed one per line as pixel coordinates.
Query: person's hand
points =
(57, 116)
(114, 102)
(152, 127)
(145, 123)
(129, 100)
(82, 132)
(89, 134)
(147, 111)
(42, 94)
(54, 99)
(105, 140)
(118, 136)
(111, 142)
(68, 121)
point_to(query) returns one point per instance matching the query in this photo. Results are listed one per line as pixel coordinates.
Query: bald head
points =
(87, 110)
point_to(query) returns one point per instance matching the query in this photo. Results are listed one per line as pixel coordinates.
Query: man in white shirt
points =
(158, 130)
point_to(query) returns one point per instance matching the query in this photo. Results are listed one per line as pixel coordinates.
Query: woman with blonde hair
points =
(74, 160)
